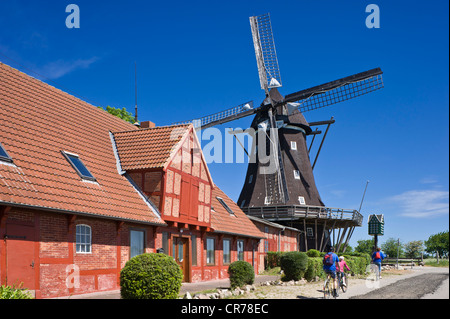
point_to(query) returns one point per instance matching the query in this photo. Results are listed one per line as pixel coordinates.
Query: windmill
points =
(281, 187)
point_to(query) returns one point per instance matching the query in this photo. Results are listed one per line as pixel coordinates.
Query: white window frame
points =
(296, 174)
(83, 239)
(293, 145)
(301, 200)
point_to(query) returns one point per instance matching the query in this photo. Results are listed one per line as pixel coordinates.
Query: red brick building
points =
(276, 238)
(81, 192)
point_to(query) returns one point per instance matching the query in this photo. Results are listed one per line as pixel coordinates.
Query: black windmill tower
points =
(279, 185)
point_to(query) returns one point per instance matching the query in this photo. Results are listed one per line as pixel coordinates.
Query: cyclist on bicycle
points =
(329, 267)
(342, 266)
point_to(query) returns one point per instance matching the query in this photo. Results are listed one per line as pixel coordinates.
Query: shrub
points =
(241, 273)
(273, 259)
(315, 268)
(313, 253)
(150, 276)
(294, 265)
(8, 292)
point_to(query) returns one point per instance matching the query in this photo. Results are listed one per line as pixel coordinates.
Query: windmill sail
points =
(227, 115)
(337, 91)
(266, 55)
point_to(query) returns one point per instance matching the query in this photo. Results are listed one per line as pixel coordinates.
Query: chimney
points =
(147, 124)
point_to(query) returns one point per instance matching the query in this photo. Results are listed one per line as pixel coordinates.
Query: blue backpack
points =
(328, 259)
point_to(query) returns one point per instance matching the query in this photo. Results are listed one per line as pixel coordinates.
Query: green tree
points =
(364, 246)
(120, 113)
(390, 247)
(438, 243)
(413, 249)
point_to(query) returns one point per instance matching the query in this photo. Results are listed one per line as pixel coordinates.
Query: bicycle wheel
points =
(343, 283)
(327, 289)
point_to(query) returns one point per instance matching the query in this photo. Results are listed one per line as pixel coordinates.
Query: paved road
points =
(422, 283)
(410, 288)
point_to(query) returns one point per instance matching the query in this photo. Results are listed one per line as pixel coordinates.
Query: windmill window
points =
(243, 203)
(267, 200)
(79, 166)
(225, 205)
(293, 145)
(309, 232)
(296, 174)
(301, 200)
(4, 155)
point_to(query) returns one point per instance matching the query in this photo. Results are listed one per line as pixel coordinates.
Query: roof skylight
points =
(225, 205)
(79, 166)
(4, 155)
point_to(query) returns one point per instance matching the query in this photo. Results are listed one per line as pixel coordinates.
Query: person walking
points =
(377, 258)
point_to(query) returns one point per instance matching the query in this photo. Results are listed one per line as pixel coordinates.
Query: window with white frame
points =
(296, 174)
(293, 145)
(309, 232)
(83, 242)
(301, 200)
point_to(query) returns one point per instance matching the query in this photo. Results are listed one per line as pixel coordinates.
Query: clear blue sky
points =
(196, 57)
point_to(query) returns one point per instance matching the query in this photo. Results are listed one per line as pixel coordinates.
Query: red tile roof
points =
(224, 222)
(37, 122)
(149, 148)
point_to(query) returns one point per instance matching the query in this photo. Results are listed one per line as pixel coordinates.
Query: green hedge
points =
(272, 259)
(150, 276)
(315, 268)
(241, 273)
(357, 262)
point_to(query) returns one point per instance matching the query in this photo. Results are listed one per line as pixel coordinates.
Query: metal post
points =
(321, 143)
(398, 250)
(363, 196)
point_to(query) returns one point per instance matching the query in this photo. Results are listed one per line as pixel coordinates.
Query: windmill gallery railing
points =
(280, 213)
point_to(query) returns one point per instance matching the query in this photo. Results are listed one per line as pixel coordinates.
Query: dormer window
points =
(225, 205)
(79, 166)
(4, 156)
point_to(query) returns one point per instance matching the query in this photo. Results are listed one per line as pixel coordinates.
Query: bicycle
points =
(343, 282)
(328, 288)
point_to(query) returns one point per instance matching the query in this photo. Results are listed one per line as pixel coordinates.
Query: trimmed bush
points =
(294, 265)
(150, 276)
(241, 273)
